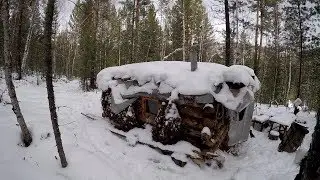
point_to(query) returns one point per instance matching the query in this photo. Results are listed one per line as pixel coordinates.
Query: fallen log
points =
(90, 116)
(199, 158)
(162, 151)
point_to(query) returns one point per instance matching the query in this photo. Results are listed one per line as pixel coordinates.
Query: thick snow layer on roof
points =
(176, 77)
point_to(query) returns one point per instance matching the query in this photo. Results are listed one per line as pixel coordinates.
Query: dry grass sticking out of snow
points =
(95, 153)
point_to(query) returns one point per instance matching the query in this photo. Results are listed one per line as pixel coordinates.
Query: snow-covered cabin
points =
(210, 107)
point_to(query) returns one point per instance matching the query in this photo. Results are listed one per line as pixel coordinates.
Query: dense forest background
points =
(279, 39)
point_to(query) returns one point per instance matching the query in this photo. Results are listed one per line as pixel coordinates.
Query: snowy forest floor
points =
(95, 153)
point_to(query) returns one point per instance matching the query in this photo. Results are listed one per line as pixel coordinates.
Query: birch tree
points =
(29, 36)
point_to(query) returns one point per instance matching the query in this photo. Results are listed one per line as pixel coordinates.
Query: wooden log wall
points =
(194, 117)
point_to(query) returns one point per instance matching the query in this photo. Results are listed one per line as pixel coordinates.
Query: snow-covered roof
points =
(175, 77)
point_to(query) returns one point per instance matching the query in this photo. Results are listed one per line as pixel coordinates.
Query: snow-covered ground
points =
(95, 153)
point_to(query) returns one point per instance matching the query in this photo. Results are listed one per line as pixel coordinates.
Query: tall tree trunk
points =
(119, 46)
(184, 32)
(28, 41)
(276, 43)
(54, 52)
(25, 133)
(255, 58)
(257, 68)
(132, 59)
(92, 84)
(163, 33)
(264, 74)
(69, 45)
(289, 79)
(51, 99)
(236, 49)
(228, 34)
(19, 23)
(201, 54)
(76, 46)
(300, 55)
(137, 39)
(243, 47)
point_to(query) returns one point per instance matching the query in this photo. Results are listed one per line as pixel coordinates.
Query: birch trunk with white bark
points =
(289, 79)
(28, 41)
